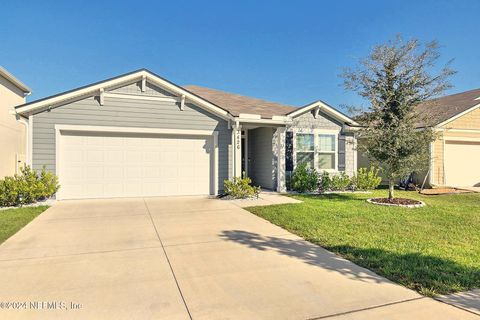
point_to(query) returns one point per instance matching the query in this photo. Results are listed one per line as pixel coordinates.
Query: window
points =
(317, 150)
(326, 151)
(305, 149)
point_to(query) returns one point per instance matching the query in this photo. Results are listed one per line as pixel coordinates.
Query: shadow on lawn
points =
(425, 274)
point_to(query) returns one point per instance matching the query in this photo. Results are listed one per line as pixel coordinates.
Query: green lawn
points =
(434, 249)
(12, 220)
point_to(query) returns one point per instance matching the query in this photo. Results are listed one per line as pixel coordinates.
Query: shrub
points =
(27, 187)
(366, 179)
(241, 188)
(304, 179)
(340, 181)
(49, 182)
(325, 182)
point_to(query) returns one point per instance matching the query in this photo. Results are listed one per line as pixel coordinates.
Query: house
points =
(12, 133)
(139, 134)
(455, 153)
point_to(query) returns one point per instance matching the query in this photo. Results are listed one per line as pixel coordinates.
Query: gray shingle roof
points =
(441, 109)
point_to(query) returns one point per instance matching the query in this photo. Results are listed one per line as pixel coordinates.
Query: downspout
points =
(26, 123)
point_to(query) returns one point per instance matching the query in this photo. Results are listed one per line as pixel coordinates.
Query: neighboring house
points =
(12, 133)
(141, 135)
(455, 154)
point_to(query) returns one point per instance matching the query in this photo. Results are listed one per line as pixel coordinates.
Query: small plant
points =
(340, 182)
(304, 179)
(366, 179)
(27, 187)
(325, 182)
(241, 188)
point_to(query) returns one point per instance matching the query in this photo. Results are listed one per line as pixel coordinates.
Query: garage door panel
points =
(96, 165)
(462, 160)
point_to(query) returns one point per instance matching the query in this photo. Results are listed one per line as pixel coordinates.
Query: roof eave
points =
(17, 83)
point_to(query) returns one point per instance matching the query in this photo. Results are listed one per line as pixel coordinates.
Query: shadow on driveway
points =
(425, 274)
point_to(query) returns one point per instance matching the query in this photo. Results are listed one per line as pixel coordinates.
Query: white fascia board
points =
(457, 116)
(137, 76)
(264, 121)
(323, 107)
(17, 83)
(249, 116)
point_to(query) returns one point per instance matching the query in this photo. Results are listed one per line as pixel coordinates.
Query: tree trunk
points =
(391, 185)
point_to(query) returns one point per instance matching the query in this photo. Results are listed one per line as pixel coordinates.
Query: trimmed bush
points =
(366, 179)
(340, 181)
(241, 188)
(27, 187)
(304, 179)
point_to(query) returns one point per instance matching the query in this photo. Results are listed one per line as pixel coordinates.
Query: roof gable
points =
(98, 88)
(318, 106)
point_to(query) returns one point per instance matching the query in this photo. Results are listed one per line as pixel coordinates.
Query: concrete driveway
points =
(181, 258)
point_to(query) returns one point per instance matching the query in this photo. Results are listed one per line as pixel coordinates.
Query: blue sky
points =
(284, 51)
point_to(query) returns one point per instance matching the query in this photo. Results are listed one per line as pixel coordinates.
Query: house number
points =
(239, 139)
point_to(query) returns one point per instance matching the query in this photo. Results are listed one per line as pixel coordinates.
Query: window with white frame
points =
(327, 151)
(305, 149)
(318, 150)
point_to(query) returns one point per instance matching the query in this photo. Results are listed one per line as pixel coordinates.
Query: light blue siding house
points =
(139, 134)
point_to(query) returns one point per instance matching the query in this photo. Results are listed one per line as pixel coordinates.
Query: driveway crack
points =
(168, 260)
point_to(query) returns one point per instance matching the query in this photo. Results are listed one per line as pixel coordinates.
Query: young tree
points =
(395, 78)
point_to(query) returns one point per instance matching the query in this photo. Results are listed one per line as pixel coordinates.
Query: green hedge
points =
(27, 187)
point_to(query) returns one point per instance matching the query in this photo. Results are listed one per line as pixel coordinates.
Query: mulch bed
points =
(397, 201)
(440, 191)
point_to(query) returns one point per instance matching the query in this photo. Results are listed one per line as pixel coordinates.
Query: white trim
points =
(245, 137)
(133, 77)
(30, 141)
(272, 121)
(182, 102)
(102, 96)
(68, 127)
(17, 83)
(458, 130)
(144, 84)
(249, 116)
(215, 163)
(460, 139)
(477, 98)
(139, 97)
(322, 107)
(281, 183)
(457, 116)
(237, 150)
(432, 162)
(60, 127)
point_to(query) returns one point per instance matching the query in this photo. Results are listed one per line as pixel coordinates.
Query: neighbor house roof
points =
(236, 103)
(17, 83)
(447, 108)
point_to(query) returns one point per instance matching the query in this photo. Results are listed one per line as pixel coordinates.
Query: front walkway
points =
(187, 258)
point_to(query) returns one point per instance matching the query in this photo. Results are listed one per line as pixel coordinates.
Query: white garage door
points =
(104, 165)
(462, 163)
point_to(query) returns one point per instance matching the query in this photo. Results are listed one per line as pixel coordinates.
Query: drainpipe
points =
(25, 122)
